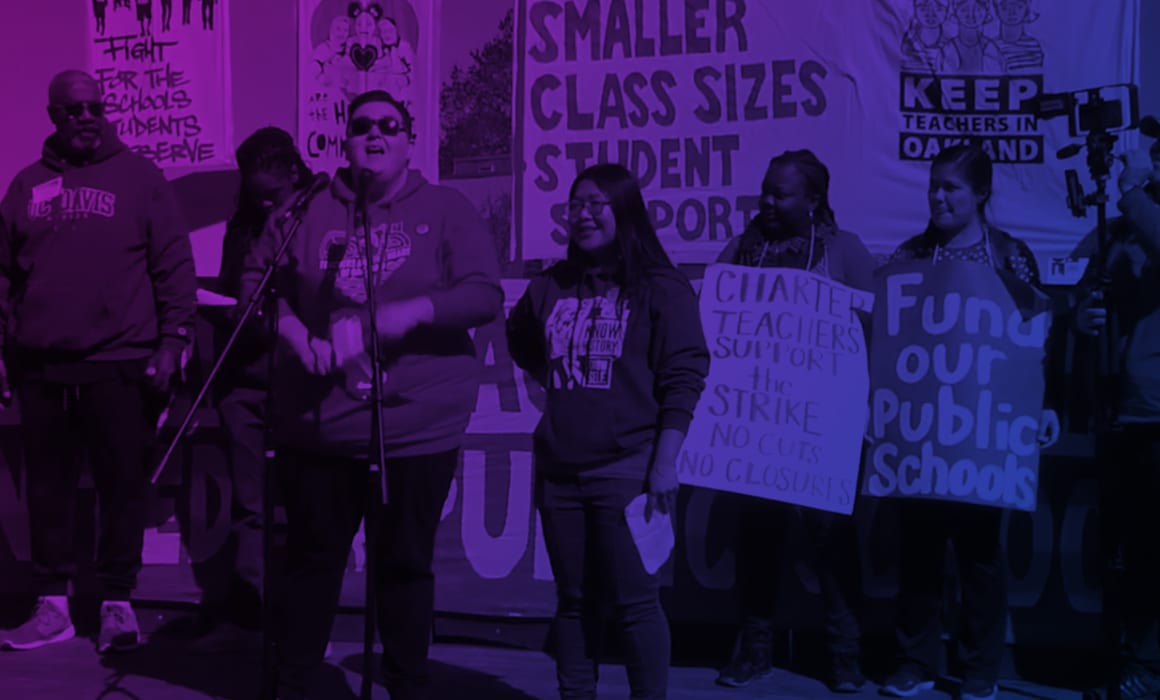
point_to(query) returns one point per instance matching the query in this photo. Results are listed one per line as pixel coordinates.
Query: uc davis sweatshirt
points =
(95, 260)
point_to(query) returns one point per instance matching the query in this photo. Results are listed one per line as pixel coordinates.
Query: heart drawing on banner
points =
(363, 57)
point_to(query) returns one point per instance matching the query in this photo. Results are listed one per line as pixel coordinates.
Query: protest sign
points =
(957, 377)
(784, 410)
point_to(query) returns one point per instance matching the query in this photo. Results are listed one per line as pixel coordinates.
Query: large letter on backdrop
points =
(695, 96)
(784, 410)
(165, 79)
(957, 398)
(347, 48)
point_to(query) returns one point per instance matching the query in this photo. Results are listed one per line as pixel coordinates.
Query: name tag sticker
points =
(47, 191)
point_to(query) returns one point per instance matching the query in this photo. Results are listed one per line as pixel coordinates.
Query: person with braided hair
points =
(795, 228)
(272, 172)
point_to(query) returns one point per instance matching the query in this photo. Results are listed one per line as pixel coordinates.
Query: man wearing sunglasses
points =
(97, 298)
(434, 274)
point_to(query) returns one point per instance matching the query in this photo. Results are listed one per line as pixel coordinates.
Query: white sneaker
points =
(49, 624)
(119, 630)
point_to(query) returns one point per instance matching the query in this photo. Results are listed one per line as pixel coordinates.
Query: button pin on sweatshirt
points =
(423, 229)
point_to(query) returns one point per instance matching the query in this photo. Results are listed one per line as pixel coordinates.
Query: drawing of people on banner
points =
(330, 56)
(145, 16)
(347, 48)
(926, 43)
(1021, 52)
(398, 60)
(365, 46)
(100, 8)
(207, 13)
(977, 52)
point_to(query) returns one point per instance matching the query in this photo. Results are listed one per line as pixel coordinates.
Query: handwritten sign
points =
(784, 410)
(165, 80)
(958, 388)
(348, 48)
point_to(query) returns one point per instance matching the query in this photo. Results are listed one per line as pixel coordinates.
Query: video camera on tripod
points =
(1096, 114)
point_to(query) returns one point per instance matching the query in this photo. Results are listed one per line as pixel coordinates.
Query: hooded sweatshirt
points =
(427, 241)
(617, 372)
(95, 259)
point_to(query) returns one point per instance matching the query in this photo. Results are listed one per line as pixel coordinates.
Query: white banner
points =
(164, 69)
(695, 96)
(785, 404)
(347, 48)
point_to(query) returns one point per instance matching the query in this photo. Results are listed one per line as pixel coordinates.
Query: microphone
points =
(320, 182)
(1150, 127)
(362, 185)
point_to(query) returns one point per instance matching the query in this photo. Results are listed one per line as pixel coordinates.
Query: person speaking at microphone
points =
(435, 274)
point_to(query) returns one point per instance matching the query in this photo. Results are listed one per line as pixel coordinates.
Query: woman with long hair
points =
(272, 172)
(796, 229)
(958, 230)
(613, 334)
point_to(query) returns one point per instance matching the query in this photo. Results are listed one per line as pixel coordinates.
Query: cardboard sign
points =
(957, 377)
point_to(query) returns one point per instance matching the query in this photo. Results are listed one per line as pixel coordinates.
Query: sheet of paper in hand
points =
(654, 537)
(784, 410)
(957, 377)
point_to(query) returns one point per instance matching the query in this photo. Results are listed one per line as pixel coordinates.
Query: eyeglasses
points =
(388, 126)
(76, 110)
(595, 207)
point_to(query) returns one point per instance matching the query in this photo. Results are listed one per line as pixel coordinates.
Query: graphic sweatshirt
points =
(616, 372)
(427, 241)
(95, 260)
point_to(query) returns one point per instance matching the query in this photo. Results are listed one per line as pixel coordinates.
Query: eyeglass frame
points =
(595, 207)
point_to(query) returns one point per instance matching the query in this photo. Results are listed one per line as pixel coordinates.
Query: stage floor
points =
(161, 671)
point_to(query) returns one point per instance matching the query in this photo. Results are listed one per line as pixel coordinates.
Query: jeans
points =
(596, 566)
(925, 527)
(105, 410)
(761, 561)
(325, 502)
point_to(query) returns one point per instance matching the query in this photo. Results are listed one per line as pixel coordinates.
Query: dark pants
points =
(762, 562)
(106, 411)
(231, 578)
(596, 566)
(925, 527)
(1138, 526)
(325, 502)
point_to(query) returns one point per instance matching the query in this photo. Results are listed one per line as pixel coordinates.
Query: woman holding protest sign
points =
(795, 228)
(958, 232)
(612, 333)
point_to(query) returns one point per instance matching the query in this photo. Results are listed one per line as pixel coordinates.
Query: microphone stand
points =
(264, 292)
(376, 453)
(1106, 394)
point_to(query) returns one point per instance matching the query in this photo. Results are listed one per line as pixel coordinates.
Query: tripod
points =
(1108, 429)
(264, 292)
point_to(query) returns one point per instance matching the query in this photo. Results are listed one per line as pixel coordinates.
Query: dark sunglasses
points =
(77, 109)
(388, 126)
